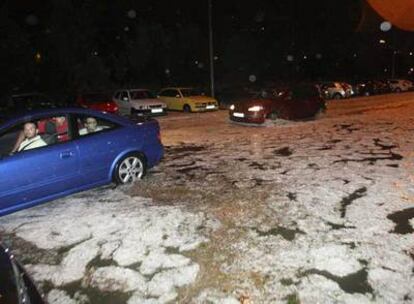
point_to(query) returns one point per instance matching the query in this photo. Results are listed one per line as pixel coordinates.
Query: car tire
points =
(337, 96)
(187, 108)
(130, 168)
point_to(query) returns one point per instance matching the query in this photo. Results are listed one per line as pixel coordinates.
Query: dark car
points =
(21, 103)
(16, 286)
(382, 86)
(89, 149)
(365, 88)
(294, 102)
(97, 101)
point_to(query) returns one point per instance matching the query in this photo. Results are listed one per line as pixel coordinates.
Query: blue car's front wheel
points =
(130, 168)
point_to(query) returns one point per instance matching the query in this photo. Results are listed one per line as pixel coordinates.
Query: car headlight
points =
(232, 107)
(255, 109)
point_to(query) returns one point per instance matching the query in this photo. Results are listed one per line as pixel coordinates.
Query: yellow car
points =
(187, 100)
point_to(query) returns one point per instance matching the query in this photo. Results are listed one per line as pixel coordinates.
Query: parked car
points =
(228, 96)
(334, 90)
(97, 101)
(400, 85)
(382, 86)
(296, 102)
(187, 100)
(372, 87)
(20, 103)
(139, 102)
(16, 286)
(92, 149)
(349, 90)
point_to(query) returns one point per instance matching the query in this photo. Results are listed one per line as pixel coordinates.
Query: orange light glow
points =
(401, 15)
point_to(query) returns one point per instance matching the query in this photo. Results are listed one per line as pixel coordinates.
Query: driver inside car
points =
(31, 138)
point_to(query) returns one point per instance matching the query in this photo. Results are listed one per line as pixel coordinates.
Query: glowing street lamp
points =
(38, 57)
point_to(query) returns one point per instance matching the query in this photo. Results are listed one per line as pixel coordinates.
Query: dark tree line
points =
(101, 45)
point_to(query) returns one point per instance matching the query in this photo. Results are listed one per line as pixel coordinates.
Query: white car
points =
(333, 90)
(139, 102)
(400, 85)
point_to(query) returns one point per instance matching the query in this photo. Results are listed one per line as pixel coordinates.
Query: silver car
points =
(141, 102)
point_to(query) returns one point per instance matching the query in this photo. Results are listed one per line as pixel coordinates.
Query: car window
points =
(30, 102)
(192, 92)
(96, 98)
(141, 94)
(34, 134)
(88, 125)
(169, 93)
(124, 94)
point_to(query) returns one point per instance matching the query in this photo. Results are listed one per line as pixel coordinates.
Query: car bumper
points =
(150, 112)
(205, 109)
(253, 117)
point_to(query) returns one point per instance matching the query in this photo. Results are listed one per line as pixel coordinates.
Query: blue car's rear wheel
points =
(130, 168)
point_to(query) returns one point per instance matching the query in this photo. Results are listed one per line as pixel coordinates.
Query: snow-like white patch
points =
(138, 298)
(114, 228)
(336, 259)
(215, 297)
(71, 269)
(156, 260)
(165, 281)
(117, 279)
(56, 296)
(390, 286)
(318, 289)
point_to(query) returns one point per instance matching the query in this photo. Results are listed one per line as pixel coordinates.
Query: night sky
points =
(71, 45)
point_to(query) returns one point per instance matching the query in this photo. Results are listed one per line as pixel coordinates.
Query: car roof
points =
(176, 88)
(28, 94)
(132, 89)
(58, 111)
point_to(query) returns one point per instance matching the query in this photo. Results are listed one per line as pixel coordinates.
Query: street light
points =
(386, 26)
(211, 48)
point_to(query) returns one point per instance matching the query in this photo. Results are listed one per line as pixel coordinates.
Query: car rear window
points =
(192, 92)
(141, 95)
(96, 98)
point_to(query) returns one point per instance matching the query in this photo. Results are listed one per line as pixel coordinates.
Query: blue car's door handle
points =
(66, 154)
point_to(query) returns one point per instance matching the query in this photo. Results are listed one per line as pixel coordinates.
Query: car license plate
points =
(235, 114)
(210, 107)
(156, 110)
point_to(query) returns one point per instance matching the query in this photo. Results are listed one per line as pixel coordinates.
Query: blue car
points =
(52, 153)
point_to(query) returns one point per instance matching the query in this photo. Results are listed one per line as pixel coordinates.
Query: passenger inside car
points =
(54, 129)
(91, 126)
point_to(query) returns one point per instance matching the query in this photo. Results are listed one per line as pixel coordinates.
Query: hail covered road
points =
(317, 211)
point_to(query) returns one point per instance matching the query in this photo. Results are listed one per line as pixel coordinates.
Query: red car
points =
(97, 101)
(295, 102)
